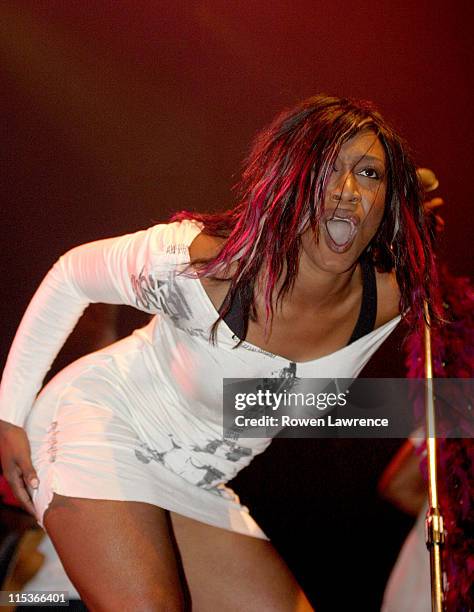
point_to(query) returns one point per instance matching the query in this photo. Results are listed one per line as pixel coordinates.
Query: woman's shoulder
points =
(388, 297)
(205, 247)
(173, 235)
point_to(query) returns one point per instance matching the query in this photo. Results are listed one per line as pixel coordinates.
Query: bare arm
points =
(402, 482)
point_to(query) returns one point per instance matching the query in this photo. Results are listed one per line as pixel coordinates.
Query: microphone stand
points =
(434, 529)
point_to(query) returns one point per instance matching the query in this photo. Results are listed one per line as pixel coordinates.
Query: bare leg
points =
(230, 572)
(118, 554)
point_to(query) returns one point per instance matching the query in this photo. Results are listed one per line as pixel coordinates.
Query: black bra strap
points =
(368, 309)
(234, 318)
(367, 315)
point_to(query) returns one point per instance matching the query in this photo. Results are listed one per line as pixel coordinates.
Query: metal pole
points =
(434, 520)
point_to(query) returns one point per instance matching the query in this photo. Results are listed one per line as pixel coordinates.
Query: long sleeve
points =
(123, 270)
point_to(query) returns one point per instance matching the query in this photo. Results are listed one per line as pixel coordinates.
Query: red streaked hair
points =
(282, 191)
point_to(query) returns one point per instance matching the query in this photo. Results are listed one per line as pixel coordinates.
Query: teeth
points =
(340, 230)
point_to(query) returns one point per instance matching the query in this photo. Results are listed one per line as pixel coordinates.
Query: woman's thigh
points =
(118, 554)
(230, 572)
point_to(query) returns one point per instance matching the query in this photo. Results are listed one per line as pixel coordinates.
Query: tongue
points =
(339, 230)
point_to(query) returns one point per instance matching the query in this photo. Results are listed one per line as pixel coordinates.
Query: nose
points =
(344, 187)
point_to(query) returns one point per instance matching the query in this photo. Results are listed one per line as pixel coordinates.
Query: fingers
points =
(434, 203)
(439, 223)
(15, 480)
(429, 207)
(22, 459)
(27, 476)
(29, 473)
(17, 465)
(19, 475)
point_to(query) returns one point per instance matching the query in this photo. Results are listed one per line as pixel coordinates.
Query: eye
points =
(371, 173)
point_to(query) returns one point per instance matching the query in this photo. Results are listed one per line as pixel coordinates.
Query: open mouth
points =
(340, 232)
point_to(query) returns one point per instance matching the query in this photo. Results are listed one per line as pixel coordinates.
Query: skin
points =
(130, 544)
(357, 185)
(402, 482)
(319, 315)
(16, 463)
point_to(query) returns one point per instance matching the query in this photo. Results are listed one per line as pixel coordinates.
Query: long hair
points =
(281, 193)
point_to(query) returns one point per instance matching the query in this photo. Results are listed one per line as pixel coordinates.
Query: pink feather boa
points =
(453, 357)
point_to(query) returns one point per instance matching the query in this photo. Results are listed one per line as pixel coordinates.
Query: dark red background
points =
(115, 114)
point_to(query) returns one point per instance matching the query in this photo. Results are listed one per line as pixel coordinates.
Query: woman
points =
(310, 271)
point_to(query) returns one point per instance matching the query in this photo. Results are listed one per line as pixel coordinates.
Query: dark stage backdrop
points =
(115, 114)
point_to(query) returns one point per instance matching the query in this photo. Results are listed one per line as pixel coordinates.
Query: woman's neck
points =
(317, 288)
(322, 287)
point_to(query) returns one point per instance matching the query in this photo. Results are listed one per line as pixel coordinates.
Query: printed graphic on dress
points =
(162, 295)
(146, 454)
(177, 249)
(210, 474)
(224, 448)
(167, 297)
(179, 460)
(253, 349)
(288, 373)
(281, 381)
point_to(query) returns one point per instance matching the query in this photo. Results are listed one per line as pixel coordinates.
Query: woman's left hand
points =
(430, 206)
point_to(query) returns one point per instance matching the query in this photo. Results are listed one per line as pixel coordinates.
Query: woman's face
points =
(354, 204)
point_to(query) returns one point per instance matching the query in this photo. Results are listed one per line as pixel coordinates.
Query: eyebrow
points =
(372, 158)
(356, 159)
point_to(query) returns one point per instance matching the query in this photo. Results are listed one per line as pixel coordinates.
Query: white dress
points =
(409, 586)
(141, 420)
